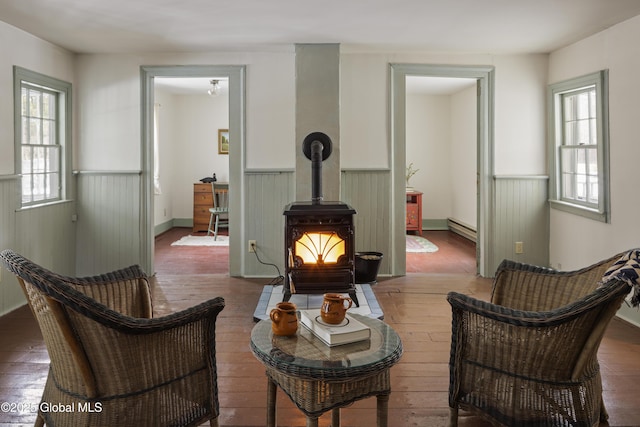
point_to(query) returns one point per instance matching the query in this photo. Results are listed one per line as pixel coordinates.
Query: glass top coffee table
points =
(319, 378)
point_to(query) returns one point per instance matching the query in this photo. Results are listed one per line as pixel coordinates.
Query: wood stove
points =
(319, 236)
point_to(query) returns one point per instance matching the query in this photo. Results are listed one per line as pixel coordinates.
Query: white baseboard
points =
(462, 229)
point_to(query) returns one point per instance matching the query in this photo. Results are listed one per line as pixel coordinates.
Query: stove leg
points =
(353, 296)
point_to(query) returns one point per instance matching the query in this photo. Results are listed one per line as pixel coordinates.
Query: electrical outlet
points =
(519, 248)
(252, 246)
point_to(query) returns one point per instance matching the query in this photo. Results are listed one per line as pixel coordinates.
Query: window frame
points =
(63, 128)
(556, 91)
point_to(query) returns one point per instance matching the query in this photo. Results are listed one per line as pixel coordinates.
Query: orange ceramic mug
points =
(334, 308)
(284, 319)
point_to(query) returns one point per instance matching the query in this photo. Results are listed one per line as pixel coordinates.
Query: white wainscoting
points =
(11, 295)
(44, 234)
(109, 234)
(369, 193)
(267, 194)
(109, 209)
(521, 215)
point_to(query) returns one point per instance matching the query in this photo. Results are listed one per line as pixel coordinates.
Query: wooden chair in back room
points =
(219, 213)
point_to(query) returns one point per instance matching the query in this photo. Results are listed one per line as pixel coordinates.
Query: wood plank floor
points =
(414, 306)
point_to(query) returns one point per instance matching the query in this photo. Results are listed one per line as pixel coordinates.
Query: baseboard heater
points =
(462, 229)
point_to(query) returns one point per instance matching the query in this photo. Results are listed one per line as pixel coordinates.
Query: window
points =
(41, 131)
(580, 145)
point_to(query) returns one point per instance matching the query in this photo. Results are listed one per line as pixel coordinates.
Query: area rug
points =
(417, 244)
(202, 241)
(271, 295)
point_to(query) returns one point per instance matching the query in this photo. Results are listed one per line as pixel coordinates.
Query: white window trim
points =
(64, 110)
(600, 81)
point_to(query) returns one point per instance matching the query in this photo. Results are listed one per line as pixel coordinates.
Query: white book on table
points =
(348, 331)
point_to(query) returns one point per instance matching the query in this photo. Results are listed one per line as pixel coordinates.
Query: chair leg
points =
(215, 232)
(210, 223)
(604, 415)
(335, 417)
(214, 422)
(453, 417)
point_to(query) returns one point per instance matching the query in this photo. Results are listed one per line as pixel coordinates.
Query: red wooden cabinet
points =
(414, 211)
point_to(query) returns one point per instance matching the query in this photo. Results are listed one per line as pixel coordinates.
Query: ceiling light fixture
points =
(215, 88)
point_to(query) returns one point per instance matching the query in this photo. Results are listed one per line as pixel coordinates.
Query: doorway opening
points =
(441, 153)
(189, 118)
(232, 157)
(483, 76)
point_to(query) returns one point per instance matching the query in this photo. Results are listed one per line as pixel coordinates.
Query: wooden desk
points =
(319, 378)
(202, 201)
(414, 211)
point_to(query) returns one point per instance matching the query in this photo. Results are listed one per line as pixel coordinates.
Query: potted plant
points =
(410, 172)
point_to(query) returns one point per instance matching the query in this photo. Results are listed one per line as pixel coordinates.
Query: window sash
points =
(41, 157)
(579, 138)
(579, 175)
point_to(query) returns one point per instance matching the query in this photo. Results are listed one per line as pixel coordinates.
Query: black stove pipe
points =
(317, 147)
(316, 172)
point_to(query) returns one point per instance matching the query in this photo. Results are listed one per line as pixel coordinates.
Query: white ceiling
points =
(465, 26)
(191, 85)
(420, 85)
(415, 85)
(452, 26)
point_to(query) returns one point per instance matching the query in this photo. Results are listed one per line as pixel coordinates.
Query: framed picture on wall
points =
(223, 141)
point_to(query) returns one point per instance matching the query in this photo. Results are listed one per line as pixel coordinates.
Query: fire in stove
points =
(319, 235)
(320, 248)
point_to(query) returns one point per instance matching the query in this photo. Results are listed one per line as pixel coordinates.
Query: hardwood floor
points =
(189, 259)
(414, 305)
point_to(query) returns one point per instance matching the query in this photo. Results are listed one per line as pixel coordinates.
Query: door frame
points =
(485, 123)
(236, 75)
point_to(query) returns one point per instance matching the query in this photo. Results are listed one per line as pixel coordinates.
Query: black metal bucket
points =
(367, 265)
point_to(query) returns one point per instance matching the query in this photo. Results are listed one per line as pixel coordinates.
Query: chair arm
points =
(134, 325)
(137, 354)
(489, 337)
(528, 343)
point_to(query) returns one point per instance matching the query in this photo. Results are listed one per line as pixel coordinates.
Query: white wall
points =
(195, 147)
(441, 138)
(463, 156)
(110, 124)
(520, 118)
(188, 129)
(519, 107)
(576, 241)
(109, 87)
(163, 209)
(26, 51)
(428, 139)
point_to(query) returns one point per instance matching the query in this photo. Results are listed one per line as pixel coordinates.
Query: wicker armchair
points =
(111, 363)
(529, 358)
